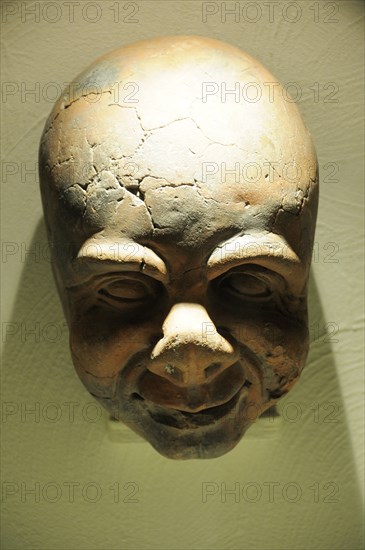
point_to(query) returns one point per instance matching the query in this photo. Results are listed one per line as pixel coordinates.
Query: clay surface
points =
(181, 220)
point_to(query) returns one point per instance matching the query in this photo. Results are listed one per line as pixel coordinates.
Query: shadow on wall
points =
(38, 370)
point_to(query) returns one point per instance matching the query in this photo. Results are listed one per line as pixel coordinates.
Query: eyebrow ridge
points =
(124, 253)
(262, 249)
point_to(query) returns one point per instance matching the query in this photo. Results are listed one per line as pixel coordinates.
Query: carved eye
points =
(246, 285)
(128, 290)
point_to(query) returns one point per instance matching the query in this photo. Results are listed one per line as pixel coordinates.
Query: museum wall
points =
(71, 479)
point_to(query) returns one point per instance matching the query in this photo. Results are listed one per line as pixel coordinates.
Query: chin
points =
(197, 446)
(201, 443)
(182, 436)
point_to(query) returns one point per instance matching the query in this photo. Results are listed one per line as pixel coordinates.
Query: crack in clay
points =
(130, 107)
(65, 106)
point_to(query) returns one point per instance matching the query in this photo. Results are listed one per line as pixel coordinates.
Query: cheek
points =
(278, 346)
(102, 344)
(279, 343)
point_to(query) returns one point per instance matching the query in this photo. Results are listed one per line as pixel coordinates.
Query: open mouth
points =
(189, 420)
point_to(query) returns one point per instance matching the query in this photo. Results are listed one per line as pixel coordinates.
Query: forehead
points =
(156, 152)
(100, 155)
(190, 215)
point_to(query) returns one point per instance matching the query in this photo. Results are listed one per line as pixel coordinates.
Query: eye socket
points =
(128, 289)
(246, 285)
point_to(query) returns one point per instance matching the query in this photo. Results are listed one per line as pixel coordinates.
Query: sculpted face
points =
(182, 223)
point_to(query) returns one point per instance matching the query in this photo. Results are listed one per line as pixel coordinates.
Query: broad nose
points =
(191, 351)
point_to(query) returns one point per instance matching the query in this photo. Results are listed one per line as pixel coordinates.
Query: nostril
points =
(213, 368)
(137, 397)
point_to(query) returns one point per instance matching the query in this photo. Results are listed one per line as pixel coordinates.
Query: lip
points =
(175, 418)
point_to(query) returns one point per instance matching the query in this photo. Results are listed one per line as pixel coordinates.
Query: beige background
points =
(296, 476)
